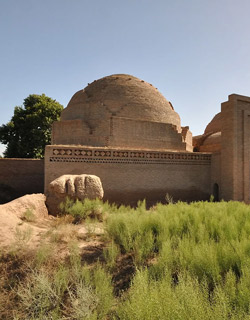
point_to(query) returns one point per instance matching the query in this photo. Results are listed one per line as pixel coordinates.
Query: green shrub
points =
(205, 239)
(23, 236)
(190, 299)
(29, 216)
(191, 261)
(110, 254)
(81, 210)
(43, 254)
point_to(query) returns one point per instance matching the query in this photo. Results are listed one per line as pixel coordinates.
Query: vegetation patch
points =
(81, 210)
(29, 216)
(175, 261)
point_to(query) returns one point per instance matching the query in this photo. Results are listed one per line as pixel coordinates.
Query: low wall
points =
(130, 175)
(19, 177)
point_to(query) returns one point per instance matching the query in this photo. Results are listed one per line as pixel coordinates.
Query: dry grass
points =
(63, 233)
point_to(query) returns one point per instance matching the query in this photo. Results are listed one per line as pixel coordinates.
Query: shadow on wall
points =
(216, 192)
(19, 177)
(7, 193)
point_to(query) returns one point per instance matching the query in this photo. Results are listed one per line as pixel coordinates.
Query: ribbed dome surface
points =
(120, 95)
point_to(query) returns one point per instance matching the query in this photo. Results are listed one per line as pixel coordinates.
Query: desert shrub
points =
(205, 239)
(44, 253)
(201, 261)
(81, 210)
(29, 216)
(38, 295)
(22, 237)
(149, 299)
(136, 231)
(110, 254)
(68, 291)
(188, 261)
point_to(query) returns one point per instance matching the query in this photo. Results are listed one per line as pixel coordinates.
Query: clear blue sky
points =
(196, 52)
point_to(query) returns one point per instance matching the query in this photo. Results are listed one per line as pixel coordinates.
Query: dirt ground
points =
(26, 219)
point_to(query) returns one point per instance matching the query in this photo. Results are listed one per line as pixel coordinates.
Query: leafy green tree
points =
(29, 130)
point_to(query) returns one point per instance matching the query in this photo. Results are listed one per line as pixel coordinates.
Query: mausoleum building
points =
(123, 130)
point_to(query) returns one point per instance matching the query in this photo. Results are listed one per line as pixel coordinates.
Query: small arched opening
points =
(216, 192)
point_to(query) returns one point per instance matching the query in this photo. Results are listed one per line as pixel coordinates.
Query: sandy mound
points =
(21, 230)
(14, 226)
(33, 202)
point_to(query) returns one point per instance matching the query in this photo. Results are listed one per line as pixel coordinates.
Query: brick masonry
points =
(132, 174)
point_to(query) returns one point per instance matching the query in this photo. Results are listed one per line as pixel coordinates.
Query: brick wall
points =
(130, 175)
(235, 143)
(19, 177)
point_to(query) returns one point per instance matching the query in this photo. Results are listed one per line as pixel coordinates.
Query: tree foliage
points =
(29, 130)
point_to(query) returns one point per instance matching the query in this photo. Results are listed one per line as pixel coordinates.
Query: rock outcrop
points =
(75, 187)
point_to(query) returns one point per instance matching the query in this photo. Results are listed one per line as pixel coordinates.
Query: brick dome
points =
(121, 111)
(123, 96)
(214, 125)
(210, 141)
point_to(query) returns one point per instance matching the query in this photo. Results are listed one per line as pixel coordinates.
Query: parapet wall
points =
(130, 175)
(128, 133)
(122, 133)
(19, 177)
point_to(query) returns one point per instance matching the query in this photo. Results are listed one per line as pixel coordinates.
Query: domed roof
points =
(210, 141)
(214, 125)
(120, 95)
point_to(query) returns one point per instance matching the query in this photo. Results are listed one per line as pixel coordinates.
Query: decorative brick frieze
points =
(99, 155)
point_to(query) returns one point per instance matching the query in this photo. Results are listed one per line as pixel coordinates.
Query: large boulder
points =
(75, 187)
